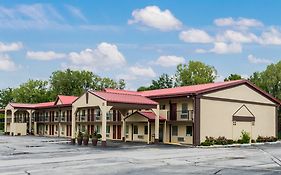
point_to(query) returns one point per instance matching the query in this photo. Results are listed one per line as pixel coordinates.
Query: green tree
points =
(164, 81)
(6, 96)
(33, 91)
(269, 79)
(233, 77)
(71, 82)
(194, 73)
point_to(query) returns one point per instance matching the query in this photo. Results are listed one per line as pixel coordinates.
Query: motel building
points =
(183, 115)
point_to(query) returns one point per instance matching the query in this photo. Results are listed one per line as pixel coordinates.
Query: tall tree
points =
(233, 77)
(6, 96)
(33, 91)
(195, 72)
(269, 79)
(71, 82)
(164, 81)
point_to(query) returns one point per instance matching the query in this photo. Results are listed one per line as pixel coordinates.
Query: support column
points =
(73, 125)
(12, 123)
(165, 132)
(123, 130)
(104, 110)
(5, 120)
(30, 121)
(148, 132)
(156, 111)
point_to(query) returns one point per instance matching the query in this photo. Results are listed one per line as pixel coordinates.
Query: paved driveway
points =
(39, 155)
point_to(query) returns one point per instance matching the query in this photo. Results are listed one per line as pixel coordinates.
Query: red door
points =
(173, 111)
(119, 132)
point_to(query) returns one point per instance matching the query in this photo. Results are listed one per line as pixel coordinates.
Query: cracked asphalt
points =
(42, 155)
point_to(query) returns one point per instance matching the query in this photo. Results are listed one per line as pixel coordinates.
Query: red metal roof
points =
(66, 100)
(123, 98)
(119, 91)
(194, 89)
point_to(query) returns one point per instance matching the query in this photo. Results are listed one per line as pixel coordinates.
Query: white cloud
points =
(237, 37)
(76, 12)
(195, 36)
(143, 71)
(254, 60)
(6, 63)
(169, 60)
(44, 56)
(271, 37)
(201, 51)
(223, 48)
(4, 47)
(239, 22)
(31, 16)
(152, 16)
(106, 56)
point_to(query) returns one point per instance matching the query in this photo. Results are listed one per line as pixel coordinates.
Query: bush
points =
(220, 141)
(245, 137)
(266, 139)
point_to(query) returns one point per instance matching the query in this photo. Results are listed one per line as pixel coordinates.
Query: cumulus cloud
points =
(254, 60)
(169, 60)
(8, 47)
(237, 37)
(6, 63)
(44, 56)
(106, 56)
(239, 22)
(153, 16)
(143, 71)
(223, 48)
(271, 37)
(195, 36)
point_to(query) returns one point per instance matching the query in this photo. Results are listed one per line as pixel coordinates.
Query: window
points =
(127, 129)
(98, 129)
(184, 108)
(108, 129)
(46, 128)
(188, 130)
(136, 130)
(62, 129)
(83, 128)
(83, 112)
(174, 130)
(162, 107)
(56, 127)
(145, 130)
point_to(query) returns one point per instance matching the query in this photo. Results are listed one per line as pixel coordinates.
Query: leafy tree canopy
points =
(233, 77)
(195, 72)
(269, 79)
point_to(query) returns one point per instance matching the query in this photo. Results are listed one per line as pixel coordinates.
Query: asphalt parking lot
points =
(41, 155)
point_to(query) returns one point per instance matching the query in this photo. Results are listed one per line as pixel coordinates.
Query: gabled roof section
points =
(65, 100)
(148, 114)
(123, 98)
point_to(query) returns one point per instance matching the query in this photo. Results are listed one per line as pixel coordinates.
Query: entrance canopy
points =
(143, 116)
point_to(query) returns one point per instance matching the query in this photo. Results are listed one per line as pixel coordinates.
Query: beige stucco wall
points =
(216, 116)
(140, 132)
(241, 92)
(18, 128)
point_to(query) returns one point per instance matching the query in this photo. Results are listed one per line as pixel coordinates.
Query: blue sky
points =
(136, 40)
